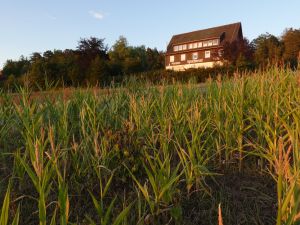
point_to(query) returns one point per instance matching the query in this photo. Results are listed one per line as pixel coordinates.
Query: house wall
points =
(189, 62)
(194, 66)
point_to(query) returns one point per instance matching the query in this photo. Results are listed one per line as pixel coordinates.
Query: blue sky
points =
(28, 26)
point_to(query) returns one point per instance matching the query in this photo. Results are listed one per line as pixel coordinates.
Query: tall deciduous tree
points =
(88, 49)
(93, 47)
(125, 59)
(118, 53)
(268, 49)
(155, 59)
(239, 52)
(16, 68)
(99, 72)
(291, 42)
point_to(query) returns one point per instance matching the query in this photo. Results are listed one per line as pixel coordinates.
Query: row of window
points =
(196, 45)
(194, 56)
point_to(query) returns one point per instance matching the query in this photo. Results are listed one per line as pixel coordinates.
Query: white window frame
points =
(195, 55)
(180, 48)
(195, 45)
(210, 43)
(220, 52)
(182, 57)
(205, 43)
(191, 46)
(216, 42)
(200, 44)
(207, 54)
(172, 58)
(184, 47)
(175, 48)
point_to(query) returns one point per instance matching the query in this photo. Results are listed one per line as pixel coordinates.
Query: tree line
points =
(93, 63)
(266, 50)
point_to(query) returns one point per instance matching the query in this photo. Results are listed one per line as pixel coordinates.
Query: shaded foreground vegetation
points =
(145, 154)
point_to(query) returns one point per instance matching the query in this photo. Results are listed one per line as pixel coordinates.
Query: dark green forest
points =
(93, 62)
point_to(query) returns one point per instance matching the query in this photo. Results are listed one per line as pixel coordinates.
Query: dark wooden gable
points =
(226, 33)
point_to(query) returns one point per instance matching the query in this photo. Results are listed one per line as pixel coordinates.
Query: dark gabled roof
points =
(229, 33)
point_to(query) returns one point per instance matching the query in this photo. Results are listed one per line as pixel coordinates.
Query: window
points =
(182, 57)
(220, 52)
(184, 47)
(172, 58)
(180, 47)
(195, 45)
(195, 55)
(215, 42)
(210, 43)
(207, 54)
(190, 46)
(199, 44)
(175, 48)
(205, 43)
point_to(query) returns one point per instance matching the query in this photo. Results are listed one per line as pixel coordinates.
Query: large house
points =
(202, 48)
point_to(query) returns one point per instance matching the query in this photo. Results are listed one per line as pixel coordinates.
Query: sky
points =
(28, 26)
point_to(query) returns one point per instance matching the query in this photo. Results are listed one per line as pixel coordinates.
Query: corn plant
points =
(150, 145)
(4, 217)
(162, 186)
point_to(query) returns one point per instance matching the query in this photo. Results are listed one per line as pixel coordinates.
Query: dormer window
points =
(179, 48)
(216, 42)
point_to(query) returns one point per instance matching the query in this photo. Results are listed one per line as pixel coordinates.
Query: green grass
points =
(145, 154)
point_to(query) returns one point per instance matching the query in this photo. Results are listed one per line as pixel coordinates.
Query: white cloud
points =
(96, 15)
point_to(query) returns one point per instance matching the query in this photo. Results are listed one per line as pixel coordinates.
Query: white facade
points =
(193, 66)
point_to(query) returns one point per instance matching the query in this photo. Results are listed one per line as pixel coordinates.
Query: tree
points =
(99, 72)
(136, 60)
(117, 55)
(268, 49)
(48, 54)
(88, 50)
(291, 42)
(16, 68)
(155, 59)
(10, 82)
(125, 59)
(35, 57)
(74, 76)
(36, 75)
(120, 50)
(238, 53)
(93, 47)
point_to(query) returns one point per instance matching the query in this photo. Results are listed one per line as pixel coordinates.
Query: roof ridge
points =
(231, 24)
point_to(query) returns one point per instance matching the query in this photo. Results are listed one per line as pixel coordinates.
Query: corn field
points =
(228, 153)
